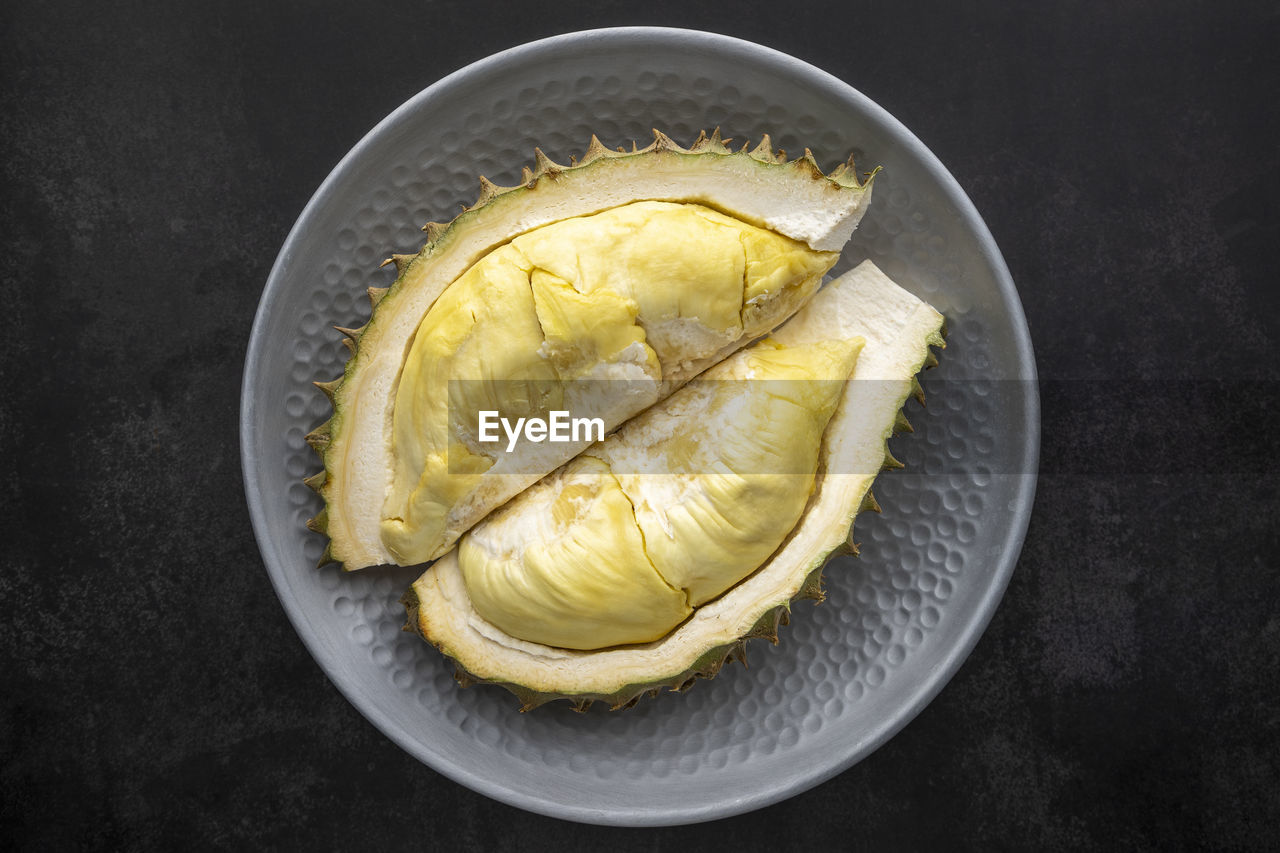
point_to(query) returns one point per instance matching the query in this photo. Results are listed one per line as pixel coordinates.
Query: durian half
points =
(534, 592)
(645, 267)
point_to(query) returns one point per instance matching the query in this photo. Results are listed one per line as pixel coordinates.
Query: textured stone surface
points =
(155, 694)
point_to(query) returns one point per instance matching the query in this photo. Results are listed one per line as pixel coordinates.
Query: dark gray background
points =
(156, 154)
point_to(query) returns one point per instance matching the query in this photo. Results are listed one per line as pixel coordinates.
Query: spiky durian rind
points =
(442, 239)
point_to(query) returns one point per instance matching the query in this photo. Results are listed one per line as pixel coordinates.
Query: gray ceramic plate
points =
(897, 622)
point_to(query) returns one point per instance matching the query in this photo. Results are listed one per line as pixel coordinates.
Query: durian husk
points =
(758, 185)
(899, 330)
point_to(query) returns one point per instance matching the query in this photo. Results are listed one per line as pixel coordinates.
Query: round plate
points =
(898, 620)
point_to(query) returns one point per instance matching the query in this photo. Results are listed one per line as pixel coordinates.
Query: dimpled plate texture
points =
(897, 621)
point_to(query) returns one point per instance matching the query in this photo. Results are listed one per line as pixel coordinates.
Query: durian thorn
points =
(545, 165)
(435, 230)
(764, 151)
(854, 548)
(320, 523)
(352, 334)
(326, 556)
(573, 162)
(890, 462)
(376, 294)
(662, 142)
(329, 388)
(901, 424)
(930, 360)
(812, 587)
(767, 626)
(488, 192)
(401, 261)
(916, 391)
(713, 143)
(595, 150)
(869, 503)
(581, 705)
(316, 481)
(526, 175)
(464, 678)
(846, 174)
(318, 440)
(784, 615)
(350, 345)
(808, 165)
(738, 652)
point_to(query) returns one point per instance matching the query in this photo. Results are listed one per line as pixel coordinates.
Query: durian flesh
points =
(598, 315)
(683, 502)
(897, 330)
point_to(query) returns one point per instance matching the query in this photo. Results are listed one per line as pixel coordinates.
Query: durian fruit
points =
(642, 269)
(648, 561)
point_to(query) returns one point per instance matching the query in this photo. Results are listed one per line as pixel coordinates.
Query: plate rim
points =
(919, 696)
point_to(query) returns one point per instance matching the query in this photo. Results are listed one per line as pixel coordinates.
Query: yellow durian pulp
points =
(645, 292)
(687, 499)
